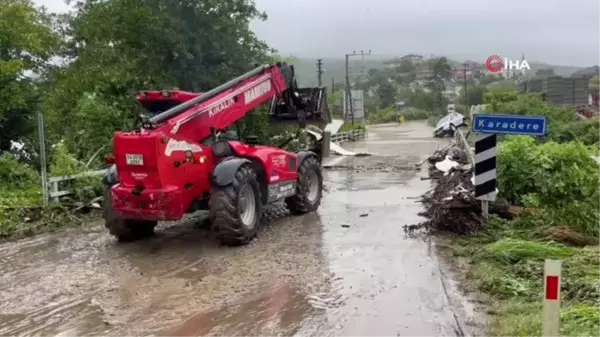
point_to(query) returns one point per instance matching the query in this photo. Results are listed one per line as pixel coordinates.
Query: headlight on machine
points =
(221, 148)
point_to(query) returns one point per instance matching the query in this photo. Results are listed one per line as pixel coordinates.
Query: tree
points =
(545, 72)
(487, 79)
(27, 42)
(119, 47)
(475, 95)
(406, 66)
(387, 94)
(441, 69)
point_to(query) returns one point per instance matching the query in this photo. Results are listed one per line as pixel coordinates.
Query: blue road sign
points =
(510, 124)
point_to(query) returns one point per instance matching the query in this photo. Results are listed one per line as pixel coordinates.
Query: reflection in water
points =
(296, 288)
(279, 310)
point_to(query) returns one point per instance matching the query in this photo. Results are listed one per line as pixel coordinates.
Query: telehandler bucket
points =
(315, 112)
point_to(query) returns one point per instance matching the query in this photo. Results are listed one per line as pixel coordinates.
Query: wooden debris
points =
(451, 206)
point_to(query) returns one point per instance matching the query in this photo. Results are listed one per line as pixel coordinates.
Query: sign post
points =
(487, 126)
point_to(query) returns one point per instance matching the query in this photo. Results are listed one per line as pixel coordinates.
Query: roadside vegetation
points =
(82, 69)
(553, 183)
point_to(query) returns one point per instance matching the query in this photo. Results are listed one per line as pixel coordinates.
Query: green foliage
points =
(378, 116)
(545, 72)
(20, 186)
(585, 131)
(562, 125)
(420, 99)
(514, 250)
(19, 183)
(475, 95)
(64, 163)
(411, 114)
(387, 94)
(544, 169)
(487, 79)
(123, 46)
(96, 120)
(26, 43)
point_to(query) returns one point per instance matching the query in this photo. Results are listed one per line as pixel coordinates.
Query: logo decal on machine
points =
(278, 160)
(257, 91)
(175, 145)
(220, 107)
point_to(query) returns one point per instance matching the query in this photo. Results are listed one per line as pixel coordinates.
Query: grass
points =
(506, 265)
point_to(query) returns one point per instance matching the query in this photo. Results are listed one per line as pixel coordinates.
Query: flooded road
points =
(348, 269)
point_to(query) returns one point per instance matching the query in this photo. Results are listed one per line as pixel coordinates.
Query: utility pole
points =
(348, 95)
(320, 71)
(332, 85)
(466, 93)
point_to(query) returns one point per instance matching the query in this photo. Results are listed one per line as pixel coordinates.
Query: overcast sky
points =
(561, 32)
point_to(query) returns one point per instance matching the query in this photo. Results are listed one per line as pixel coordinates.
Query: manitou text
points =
(257, 91)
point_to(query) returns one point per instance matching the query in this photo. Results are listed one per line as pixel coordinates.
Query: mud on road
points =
(348, 269)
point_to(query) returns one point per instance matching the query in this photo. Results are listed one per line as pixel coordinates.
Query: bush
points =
(585, 131)
(20, 184)
(555, 173)
(387, 115)
(560, 179)
(414, 114)
(64, 164)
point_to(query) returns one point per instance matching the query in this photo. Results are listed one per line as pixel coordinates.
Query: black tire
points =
(226, 210)
(451, 130)
(301, 203)
(125, 230)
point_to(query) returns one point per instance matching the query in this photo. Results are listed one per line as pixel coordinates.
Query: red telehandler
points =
(184, 156)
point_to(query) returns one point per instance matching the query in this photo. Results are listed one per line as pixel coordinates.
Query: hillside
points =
(307, 69)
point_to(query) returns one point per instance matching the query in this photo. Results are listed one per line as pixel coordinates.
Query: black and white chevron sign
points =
(485, 167)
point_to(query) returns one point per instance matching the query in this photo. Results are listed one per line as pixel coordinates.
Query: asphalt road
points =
(348, 269)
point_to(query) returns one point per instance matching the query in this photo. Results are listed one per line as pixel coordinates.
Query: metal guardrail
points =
(54, 191)
(461, 140)
(352, 135)
(53, 183)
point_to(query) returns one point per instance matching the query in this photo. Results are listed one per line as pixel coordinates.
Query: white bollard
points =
(551, 310)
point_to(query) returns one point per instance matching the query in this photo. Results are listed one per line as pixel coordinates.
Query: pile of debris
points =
(451, 206)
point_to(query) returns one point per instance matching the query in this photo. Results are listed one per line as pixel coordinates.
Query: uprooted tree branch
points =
(451, 205)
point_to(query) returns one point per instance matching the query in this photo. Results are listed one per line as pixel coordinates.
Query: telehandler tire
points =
(235, 209)
(125, 230)
(309, 188)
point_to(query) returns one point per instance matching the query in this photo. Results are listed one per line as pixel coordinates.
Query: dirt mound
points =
(567, 235)
(451, 206)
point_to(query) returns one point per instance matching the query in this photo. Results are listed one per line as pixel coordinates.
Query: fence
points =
(53, 184)
(461, 140)
(352, 135)
(55, 192)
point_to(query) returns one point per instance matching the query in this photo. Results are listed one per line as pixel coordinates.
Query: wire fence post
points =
(43, 166)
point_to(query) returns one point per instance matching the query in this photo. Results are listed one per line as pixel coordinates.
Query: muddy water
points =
(349, 269)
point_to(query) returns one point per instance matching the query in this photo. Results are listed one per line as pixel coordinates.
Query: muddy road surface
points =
(348, 269)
